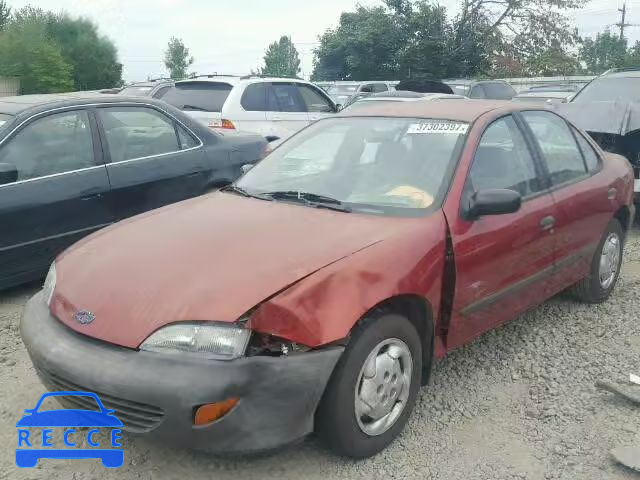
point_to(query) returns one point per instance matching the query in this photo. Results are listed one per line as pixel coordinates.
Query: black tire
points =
(336, 423)
(589, 289)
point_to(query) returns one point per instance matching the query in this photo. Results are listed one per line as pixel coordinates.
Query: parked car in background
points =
(275, 108)
(485, 89)
(395, 96)
(545, 96)
(71, 165)
(152, 88)
(315, 292)
(608, 108)
(345, 93)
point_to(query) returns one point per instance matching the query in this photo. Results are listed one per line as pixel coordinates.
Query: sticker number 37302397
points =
(455, 128)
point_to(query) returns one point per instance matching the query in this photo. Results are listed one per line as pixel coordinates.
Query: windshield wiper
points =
(193, 107)
(241, 191)
(312, 199)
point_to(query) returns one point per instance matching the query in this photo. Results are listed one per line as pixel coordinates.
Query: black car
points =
(608, 108)
(484, 89)
(70, 165)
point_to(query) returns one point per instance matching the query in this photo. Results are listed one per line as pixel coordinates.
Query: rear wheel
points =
(373, 388)
(598, 285)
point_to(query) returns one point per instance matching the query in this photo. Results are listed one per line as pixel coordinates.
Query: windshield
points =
(609, 89)
(4, 120)
(136, 91)
(202, 96)
(393, 166)
(342, 89)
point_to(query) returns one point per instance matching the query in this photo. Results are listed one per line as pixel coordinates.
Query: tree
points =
(281, 59)
(27, 52)
(5, 14)
(366, 45)
(177, 58)
(93, 58)
(605, 52)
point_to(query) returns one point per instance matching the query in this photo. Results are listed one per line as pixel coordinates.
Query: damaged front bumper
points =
(157, 394)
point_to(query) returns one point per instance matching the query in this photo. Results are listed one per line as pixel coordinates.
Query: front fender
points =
(323, 307)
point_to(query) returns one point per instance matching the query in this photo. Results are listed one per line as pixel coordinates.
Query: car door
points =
(287, 111)
(153, 160)
(582, 199)
(502, 262)
(318, 105)
(58, 196)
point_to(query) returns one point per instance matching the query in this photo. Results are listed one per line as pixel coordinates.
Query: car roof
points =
(622, 74)
(36, 103)
(464, 110)
(234, 80)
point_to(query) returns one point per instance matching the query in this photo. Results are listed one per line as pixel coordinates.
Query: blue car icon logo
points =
(68, 419)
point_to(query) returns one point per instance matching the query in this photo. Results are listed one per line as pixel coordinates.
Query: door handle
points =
(91, 196)
(611, 194)
(547, 223)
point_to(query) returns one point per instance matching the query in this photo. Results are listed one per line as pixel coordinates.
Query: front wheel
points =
(373, 388)
(598, 285)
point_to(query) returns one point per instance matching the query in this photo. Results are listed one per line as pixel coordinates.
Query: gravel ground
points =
(518, 403)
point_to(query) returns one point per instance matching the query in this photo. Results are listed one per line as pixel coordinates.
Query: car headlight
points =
(49, 284)
(209, 340)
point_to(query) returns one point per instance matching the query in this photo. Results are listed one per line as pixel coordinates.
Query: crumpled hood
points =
(616, 117)
(209, 258)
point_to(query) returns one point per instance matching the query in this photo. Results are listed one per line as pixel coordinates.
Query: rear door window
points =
(561, 153)
(498, 91)
(139, 132)
(379, 87)
(288, 98)
(198, 96)
(591, 158)
(254, 98)
(477, 92)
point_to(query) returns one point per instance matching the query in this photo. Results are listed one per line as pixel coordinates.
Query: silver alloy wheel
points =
(383, 386)
(609, 260)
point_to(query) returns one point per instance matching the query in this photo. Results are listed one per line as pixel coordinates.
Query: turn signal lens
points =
(224, 123)
(228, 124)
(211, 412)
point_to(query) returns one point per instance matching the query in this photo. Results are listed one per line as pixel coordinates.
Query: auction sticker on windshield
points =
(456, 128)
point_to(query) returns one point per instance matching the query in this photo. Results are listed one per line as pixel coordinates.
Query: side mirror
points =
(493, 202)
(8, 173)
(338, 107)
(245, 168)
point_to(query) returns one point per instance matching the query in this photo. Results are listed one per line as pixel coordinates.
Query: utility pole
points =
(622, 25)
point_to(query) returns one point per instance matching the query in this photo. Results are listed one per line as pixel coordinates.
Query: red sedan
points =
(315, 293)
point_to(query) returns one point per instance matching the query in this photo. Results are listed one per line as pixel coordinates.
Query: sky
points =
(231, 36)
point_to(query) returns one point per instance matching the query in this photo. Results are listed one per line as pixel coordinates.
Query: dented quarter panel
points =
(324, 307)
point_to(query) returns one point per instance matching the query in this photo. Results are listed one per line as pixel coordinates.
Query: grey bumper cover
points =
(278, 395)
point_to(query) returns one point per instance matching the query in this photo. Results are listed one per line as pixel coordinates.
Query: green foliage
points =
(27, 52)
(281, 59)
(416, 38)
(5, 14)
(605, 52)
(93, 58)
(177, 59)
(55, 53)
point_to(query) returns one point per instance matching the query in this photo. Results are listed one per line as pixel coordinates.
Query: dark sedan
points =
(70, 165)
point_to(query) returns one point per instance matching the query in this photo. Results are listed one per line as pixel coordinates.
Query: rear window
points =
(4, 120)
(498, 91)
(198, 96)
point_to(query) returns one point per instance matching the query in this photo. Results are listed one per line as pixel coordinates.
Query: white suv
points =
(276, 108)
